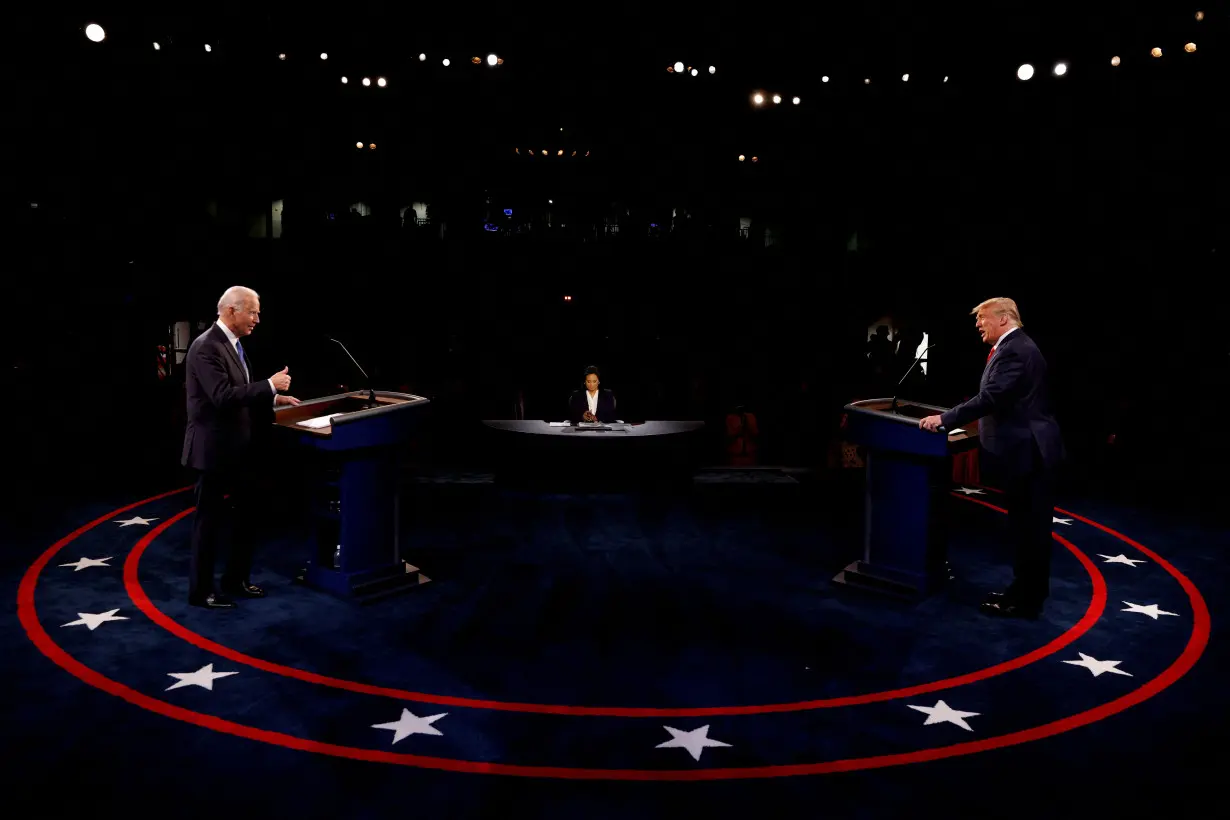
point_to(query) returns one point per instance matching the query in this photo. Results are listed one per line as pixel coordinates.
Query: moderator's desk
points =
(577, 455)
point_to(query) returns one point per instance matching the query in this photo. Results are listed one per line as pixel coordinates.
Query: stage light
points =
(544, 152)
(587, 153)
(422, 57)
(824, 79)
(358, 145)
(446, 62)
(755, 159)
(567, 298)
(517, 151)
(777, 98)
(499, 61)
(157, 47)
(324, 56)
(694, 72)
(281, 56)
(550, 201)
(1115, 61)
(559, 153)
(574, 153)
(670, 69)
(1025, 72)
(1199, 16)
(94, 33)
(382, 82)
(945, 78)
(796, 101)
(492, 59)
(372, 146)
(678, 68)
(905, 78)
(1190, 48)
(741, 158)
(758, 99)
(1156, 52)
(345, 80)
(866, 81)
(713, 69)
(1061, 69)
(208, 47)
(367, 81)
(475, 60)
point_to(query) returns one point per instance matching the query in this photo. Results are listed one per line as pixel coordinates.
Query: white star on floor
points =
(1097, 667)
(203, 677)
(409, 724)
(83, 563)
(1122, 559)
(95, 621)
(1067, 522)
(943, 713)
(969, 492)
(136, 520)
(695, 741)
(1151, 610)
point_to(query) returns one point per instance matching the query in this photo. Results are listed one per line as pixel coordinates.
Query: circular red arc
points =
(135, 591)
(1191, 653)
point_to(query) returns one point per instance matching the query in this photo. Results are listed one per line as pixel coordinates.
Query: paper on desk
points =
(559, 423)
(318, 422)
(956, 430)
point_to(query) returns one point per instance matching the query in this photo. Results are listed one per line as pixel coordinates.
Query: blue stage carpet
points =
(616, 655)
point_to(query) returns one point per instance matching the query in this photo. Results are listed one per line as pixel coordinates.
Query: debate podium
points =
(907, 479)
(357, 552)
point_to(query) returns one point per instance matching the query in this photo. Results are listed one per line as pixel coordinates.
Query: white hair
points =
(236, 296)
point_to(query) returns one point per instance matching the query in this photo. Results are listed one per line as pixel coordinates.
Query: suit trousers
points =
(224, 516)
(1029, 496)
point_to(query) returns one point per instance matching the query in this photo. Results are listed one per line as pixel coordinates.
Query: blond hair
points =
(1000, 306)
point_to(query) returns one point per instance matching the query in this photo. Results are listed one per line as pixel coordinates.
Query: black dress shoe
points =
(244, 590)
(1004, 608)
(213, 601)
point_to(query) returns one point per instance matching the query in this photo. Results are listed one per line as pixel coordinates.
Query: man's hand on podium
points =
(931, 423)
(280, 400)
(281, 379)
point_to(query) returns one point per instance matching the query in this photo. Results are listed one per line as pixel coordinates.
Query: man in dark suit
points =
(1022, 447)
(224, 407)
(591, 404)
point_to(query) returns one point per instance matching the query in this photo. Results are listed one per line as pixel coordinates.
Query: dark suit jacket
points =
(223, 406)
(578, 404)
(1014, 406)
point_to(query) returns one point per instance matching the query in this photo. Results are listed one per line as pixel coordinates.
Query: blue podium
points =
(907, 479)
(357, 552)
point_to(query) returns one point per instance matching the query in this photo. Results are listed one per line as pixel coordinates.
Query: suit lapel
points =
(220, 336)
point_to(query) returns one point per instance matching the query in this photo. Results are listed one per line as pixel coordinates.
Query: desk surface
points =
(644, 429)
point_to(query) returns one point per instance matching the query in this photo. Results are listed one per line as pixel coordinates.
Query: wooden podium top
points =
(909, 412)
(344, 408)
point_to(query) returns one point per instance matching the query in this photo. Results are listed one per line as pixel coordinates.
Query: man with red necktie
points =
(1022, 447)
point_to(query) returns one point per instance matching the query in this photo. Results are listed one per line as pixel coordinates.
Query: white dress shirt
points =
(1000, 340)
(592, 398)
(234, 340)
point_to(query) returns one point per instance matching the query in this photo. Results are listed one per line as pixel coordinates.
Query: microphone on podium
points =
(893, 408)
(371, 393)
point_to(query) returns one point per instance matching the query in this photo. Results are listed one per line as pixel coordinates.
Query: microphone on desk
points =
(893, 407)
(371, 393)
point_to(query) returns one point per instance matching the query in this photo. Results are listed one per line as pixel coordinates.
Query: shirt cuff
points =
(275, 391)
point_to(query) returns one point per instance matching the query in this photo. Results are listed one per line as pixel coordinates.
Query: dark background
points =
(1097, 200)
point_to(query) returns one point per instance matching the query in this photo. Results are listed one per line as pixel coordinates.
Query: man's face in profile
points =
(591, 382)
(990, 326)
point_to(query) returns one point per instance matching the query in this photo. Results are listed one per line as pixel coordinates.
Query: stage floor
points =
(581, 654)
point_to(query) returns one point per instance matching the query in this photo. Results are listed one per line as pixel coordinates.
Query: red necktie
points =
(990, 354)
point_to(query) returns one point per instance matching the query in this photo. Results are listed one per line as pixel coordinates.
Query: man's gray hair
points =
(236, 296)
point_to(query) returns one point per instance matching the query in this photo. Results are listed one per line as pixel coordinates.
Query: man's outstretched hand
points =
(280, 400)
(931, 423)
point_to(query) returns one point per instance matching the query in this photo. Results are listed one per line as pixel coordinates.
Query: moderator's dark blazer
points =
(222, 405)
(1014, 406)
(578, 404)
